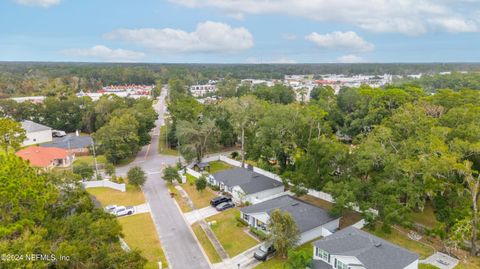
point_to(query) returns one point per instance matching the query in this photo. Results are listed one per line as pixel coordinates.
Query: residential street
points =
(178, 242)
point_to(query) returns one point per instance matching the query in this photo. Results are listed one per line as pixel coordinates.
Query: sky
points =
(240, 31)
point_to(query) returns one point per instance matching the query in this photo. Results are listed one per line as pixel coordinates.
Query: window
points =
(341, 265)
(322, 254)
(245, 217)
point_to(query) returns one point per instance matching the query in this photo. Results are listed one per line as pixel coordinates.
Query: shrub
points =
(260, 234)
(201, 183)
(136, 176)
(299, 190)
(234, 155)
(84, 170)
(241, 221)
(214, 187)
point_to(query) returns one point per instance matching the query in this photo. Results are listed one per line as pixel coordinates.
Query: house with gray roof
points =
(245, 185)
(36, 133)
(312, 221)
(79, 145)
(352, 248)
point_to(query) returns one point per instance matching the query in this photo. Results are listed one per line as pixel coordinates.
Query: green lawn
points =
(218, 166)
(232, 237)
(89, 159)
(106, 196)
(402, 240)
(199, 199)
(140, 233)
(278, 263)
(426, 218)
(206, 244)
(162, 143)
(180, 201)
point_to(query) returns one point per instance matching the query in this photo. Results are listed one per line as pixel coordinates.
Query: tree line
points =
(398, 149)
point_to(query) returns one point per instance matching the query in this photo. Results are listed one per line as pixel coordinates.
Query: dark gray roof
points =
(31, 127)
(319, 264)
(306, 216)
(70, 141)
(372, 251)
(249, 181)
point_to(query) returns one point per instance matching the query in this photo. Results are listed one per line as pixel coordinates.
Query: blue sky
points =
(240, 31)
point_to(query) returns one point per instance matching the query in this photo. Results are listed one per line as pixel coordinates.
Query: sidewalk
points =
(200, 214)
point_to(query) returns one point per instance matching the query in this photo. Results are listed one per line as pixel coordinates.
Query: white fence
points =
(359, 225)
(322, 195)
(104, 183)
(193, 173)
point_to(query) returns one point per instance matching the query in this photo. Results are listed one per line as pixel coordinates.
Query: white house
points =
(352, 248)
(36, 133)
(312, 221)
(245, 185)
(201, 90)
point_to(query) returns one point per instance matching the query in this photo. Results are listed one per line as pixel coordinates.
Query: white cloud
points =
(289, 37)
(348, 41)
(208, 37)
(411, 17)
(350, 58)
(279, 60)
(100, 52)
(42, 3)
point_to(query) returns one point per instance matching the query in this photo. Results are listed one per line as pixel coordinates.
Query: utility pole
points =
(95, 159)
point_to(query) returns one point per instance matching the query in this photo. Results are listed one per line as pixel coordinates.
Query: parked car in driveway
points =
(218, 200)
(264, 251)
(57, 133)
(124, 210)
(110, 208)
(225, 206)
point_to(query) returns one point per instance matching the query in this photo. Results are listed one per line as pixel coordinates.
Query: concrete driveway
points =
(199, 214)
(245, 260)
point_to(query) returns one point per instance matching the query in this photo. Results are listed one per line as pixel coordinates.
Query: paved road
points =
(180, 246)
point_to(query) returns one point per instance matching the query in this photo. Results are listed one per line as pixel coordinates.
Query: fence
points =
(321, 195)
(104, 183)
(193, 173)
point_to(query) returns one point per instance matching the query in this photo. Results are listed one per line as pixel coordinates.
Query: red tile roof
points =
(42, 157)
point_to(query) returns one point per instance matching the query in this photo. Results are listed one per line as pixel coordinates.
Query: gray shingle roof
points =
(372, 251)
(249, 181)
(306, 216)
(70, 141)
(31, 127)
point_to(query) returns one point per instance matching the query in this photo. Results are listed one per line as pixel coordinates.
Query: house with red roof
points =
(46, 157)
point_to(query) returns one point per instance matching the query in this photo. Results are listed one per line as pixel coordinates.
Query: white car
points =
(56, 133)
(110, 208)
(124, 211)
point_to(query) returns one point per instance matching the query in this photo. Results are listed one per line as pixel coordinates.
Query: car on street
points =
(225, 206)
(218, 200)
(264, 251)
(110, 208)
(124, 211)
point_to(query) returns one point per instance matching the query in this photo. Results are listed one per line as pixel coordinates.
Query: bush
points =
(260, 234)
(299, 190)
(84, 170)
(241, 221)
(201, 183)
(171, 173)
(234, 155)
(214, 187)
(136, 176)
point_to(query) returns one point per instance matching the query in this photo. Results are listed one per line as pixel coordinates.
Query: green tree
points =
(110, 169)
(170, 174)
(283, 232)
(200, 183)
(195, 138)
(11, 134)
(119, 138)
(298, 259)
(84, 170)
(136, 176)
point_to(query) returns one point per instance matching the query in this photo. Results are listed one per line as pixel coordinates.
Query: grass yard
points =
(162, 143)
(426, 218)
(278, 263)
(402, 240)
(230, 233)
(218, 166)
(206, 244)
(101, 159)
(349, 217)
(199, 199)
(140, 233)
(106, 196)
(180, 201)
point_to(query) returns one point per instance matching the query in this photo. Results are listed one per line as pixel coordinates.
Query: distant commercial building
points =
(36, 133)
(202, 90)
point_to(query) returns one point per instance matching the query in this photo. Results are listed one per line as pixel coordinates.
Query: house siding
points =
(258, 197)
(323, 230)
(38, 138)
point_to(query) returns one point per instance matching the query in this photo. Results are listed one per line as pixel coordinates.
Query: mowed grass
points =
(218, 166)
(199, 199)
(206, 244)
(278, 262)
(178, 198)
(140, 233)
(231, 235)
(426, 218)
(106, 196)
(101, 159)
(402, 240)
(163, 147)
